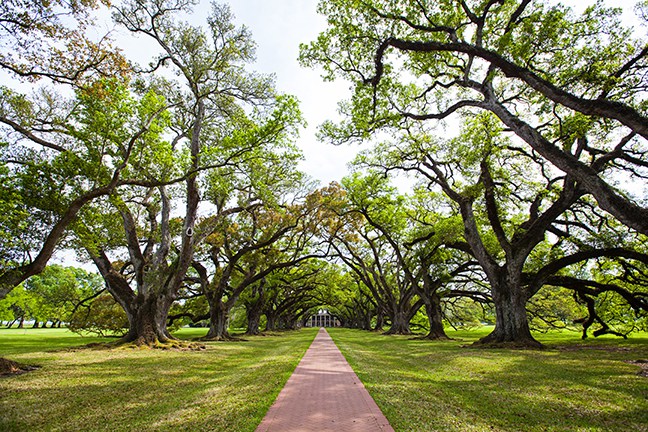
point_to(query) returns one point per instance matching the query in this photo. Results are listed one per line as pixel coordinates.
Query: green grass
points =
(19, 341)
(419, 385)
(227, 387)
(444, 386)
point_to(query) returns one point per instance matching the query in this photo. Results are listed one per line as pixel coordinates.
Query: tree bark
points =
(435, 317)
(289, 323)
(511, 322)
(254, 309)
(147, 311)
(5, 289)
(509, 297)
(365, 322)
(218, 320)
(253, 312)
(399, 323)
(380, 320)
(271, 323)
(147, 316)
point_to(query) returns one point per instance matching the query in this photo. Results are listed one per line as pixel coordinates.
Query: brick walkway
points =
(324, 394)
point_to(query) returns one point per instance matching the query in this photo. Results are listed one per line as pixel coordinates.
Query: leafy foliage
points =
(103, 317)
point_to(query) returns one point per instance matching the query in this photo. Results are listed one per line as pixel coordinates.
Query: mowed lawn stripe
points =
(427, 386)
(229, 386)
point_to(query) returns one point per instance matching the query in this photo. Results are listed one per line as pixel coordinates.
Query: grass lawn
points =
(419, 385)
(229, 386)
(442, 386)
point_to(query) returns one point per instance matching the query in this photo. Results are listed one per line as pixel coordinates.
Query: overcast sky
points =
(278, 27)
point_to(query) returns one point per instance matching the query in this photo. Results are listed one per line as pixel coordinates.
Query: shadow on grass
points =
(430, 386)
(226, 387)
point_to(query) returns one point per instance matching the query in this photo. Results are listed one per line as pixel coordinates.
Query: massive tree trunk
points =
(147, 317)
(254, 309)
(362, 315)
(399, 322)
(380, 320)
(253, 313)
(364, 322)
(434, 313)
(218, 318)
(509, 296)
(511, 321)
(271, 323)
(289, 322)
(147, 310)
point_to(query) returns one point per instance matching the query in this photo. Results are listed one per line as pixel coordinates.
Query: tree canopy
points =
(543, 109)
(520, 123)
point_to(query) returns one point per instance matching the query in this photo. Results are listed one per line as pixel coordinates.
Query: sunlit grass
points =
(420, 385)
(16, 341)
(445, 386)
(226, 387)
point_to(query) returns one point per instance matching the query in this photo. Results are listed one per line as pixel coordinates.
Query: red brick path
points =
(324, 394)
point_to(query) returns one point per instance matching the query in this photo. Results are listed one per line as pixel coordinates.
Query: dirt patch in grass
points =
(173, 345)
(10, 367)
(643, 364)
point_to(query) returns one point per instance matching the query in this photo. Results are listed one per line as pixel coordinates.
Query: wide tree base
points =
(434, 337)
(172, 345)
(253, 333)
(222, 338)
(263, 333)
(153, 341)
(10, 367)
(399, 329)
(493, 341)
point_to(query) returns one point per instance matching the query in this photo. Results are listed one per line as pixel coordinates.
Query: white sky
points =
(278, 27)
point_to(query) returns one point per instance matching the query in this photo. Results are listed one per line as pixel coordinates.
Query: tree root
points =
(433, 338)
(169, 345)
(527, 344)
(253, 334)
(397, 332)
(11, 368)
(224, 338)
